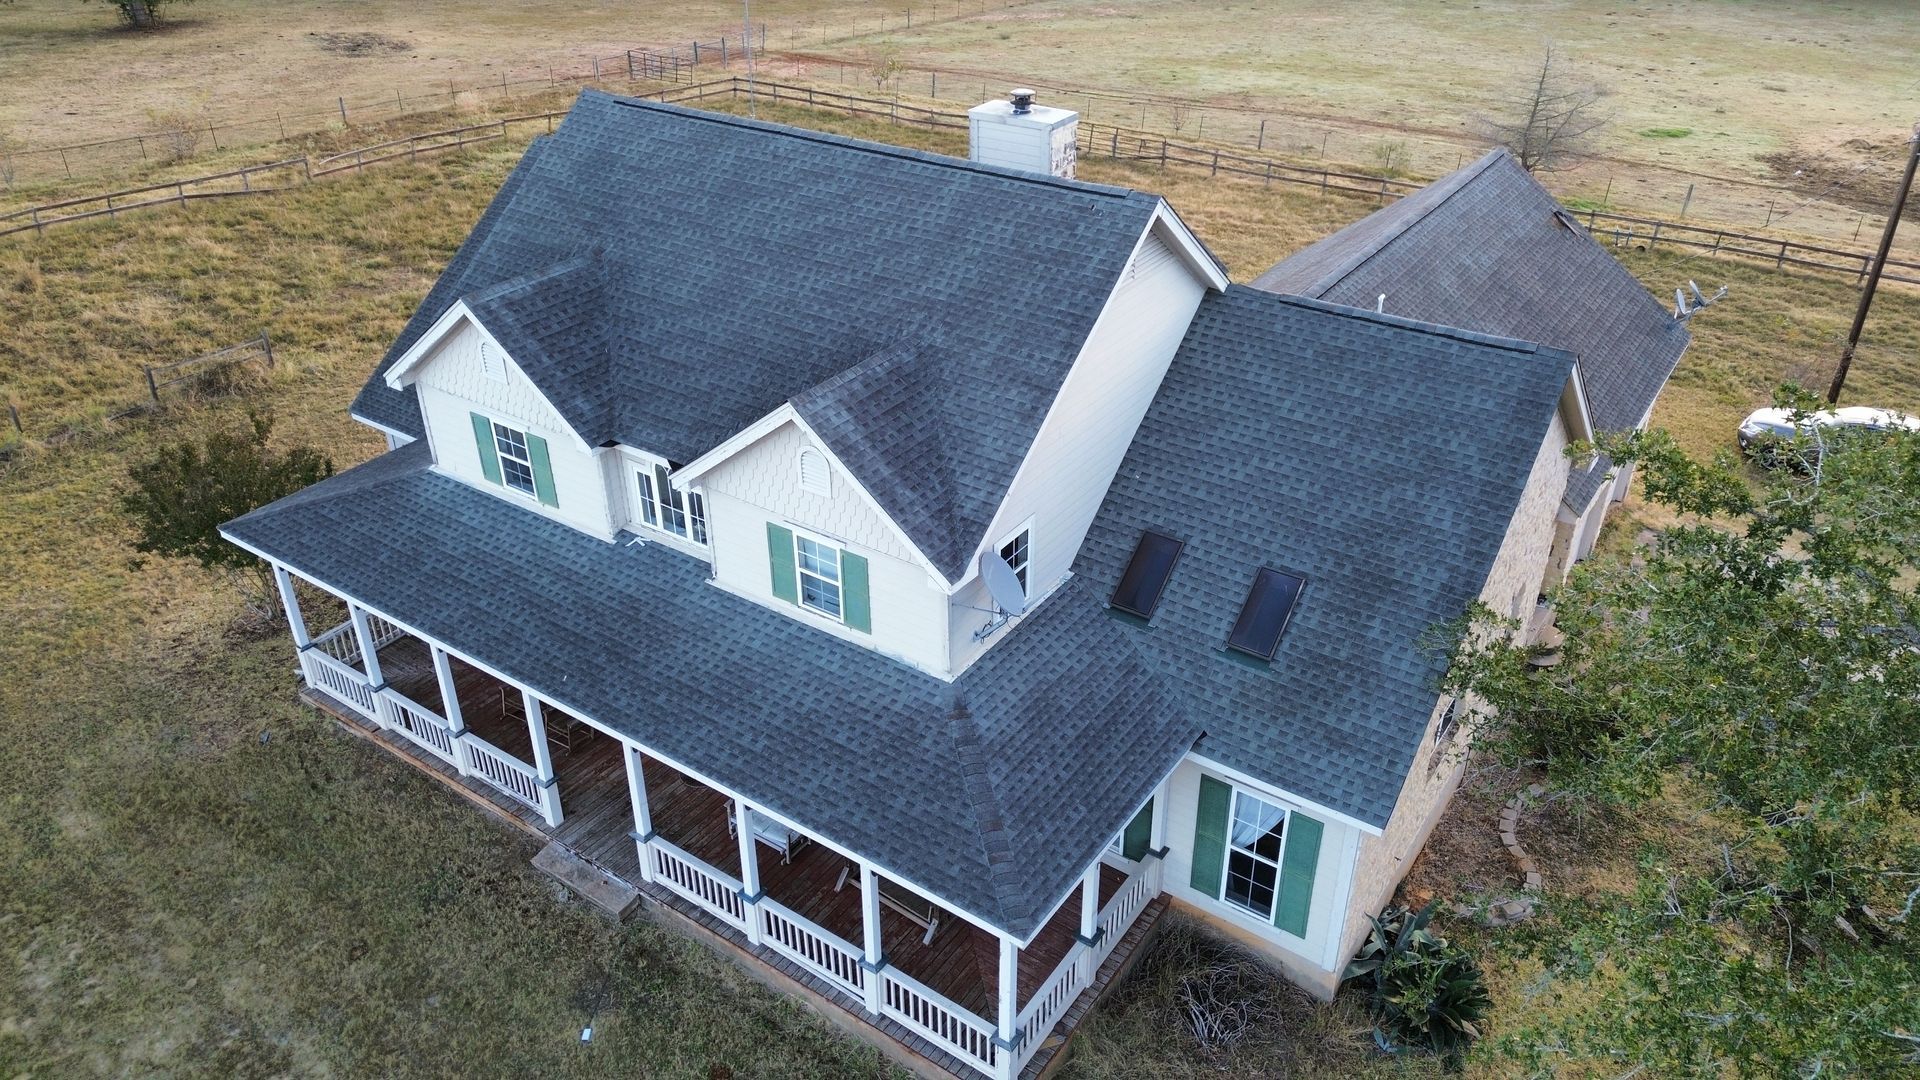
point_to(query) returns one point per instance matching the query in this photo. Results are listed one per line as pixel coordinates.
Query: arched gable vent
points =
(815, 476)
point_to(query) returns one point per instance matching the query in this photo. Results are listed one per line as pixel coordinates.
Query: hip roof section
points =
(1380, 459)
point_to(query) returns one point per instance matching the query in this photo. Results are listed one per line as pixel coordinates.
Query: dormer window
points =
(819, 566)
(516, 463)
(815, 476)
(660, 506)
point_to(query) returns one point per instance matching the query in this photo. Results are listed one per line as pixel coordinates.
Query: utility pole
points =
(1879, 262)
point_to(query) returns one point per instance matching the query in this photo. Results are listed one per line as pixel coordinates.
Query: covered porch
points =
(947, 987)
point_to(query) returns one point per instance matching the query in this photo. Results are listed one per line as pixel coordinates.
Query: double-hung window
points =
(1254, 842)
(682, 513)
(516, 462)
(1015, 552)
(819, 567)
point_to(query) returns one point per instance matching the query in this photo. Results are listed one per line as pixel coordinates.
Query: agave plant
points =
(1424, 992)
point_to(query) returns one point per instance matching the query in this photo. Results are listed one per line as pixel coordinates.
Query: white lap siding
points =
(1088, 429)
(452, 387)
(1305, 958)
(761, 484)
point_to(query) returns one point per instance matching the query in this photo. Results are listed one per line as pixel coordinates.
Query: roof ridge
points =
(1455, 181)
(1519, 345)
(867, 146)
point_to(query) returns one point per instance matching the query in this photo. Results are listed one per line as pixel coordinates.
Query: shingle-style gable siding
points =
(452, 386)
(761, 484)
(1089, 427)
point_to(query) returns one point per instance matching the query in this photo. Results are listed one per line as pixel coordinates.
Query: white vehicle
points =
(1778, 423)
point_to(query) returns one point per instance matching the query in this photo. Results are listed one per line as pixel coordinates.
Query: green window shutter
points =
(489, 454)
(1210, 836)
(542, 471)
(856, 604)
(786, 575)
(1133, 842)
(1297, 865)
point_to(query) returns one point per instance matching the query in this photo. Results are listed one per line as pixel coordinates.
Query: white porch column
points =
(1009, 1002)
(1088, 940)
(750, 892)
(369, 656)
(370, 663)
(542, 758)
(450, 708)
(1156, 859)
(290, 600)
(874, 959)
(642, 813)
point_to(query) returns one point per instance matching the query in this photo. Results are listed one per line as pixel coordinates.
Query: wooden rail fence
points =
(1096, 140)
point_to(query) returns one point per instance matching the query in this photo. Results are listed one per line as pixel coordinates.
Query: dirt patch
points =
(359, 43)
(1861, 173)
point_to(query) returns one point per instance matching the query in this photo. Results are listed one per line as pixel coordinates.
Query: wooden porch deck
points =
(961, 963)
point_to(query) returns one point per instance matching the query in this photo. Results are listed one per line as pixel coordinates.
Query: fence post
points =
(1216, 164)
(696, 52)
(724, 62)
(266, 343)
(1654, 240)
(1686, 202)
(153, 388)
(216, 134)
(13, 411)
(1383, 192)
(180, 191)
(1269, 174)
(65, 165)
(1777, 263)
(143, 154)
(1113, 149)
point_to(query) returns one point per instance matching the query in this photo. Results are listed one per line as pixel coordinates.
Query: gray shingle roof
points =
(1299, 435)
(1488, 249)
(743, 263)
(994, 791)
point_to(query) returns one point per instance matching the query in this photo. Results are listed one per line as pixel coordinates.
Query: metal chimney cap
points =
(1022, 99)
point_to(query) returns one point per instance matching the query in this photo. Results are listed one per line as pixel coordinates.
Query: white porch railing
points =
(516, 778)
(698, 882)
(939, 1021)
(826, 955)
(1119, 912)
(422, 725)
(344, 682)
(1044, 1008)
(343, 644)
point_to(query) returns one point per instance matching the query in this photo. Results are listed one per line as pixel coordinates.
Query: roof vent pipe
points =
(1022, 100)
(1381, 305)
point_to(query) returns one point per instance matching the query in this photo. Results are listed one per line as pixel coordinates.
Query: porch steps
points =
(587, 881)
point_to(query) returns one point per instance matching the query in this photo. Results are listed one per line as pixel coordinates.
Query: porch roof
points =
(993, 793)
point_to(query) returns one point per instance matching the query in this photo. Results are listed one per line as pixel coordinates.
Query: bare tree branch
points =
(1550, 116)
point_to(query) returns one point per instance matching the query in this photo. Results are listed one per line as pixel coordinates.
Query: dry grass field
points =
(200, 877)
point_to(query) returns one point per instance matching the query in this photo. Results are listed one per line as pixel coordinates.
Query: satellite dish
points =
(1003, 583)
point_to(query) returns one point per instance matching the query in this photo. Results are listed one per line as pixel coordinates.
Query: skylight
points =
(1264, 616)
(1146, 577)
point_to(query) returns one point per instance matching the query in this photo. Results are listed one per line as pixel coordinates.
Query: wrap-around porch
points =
(963, 995)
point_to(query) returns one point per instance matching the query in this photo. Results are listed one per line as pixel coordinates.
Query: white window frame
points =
(801, 574)
(1023, 570)
(647, 509)
(1278, 862)
(502, 458)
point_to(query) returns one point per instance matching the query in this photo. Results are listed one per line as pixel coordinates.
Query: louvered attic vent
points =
(1264, 617)
(1146, 576)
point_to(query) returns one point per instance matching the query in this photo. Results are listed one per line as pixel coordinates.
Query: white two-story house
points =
(920, 571)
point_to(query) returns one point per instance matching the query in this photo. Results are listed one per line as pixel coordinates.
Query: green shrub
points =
(1425, 993)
